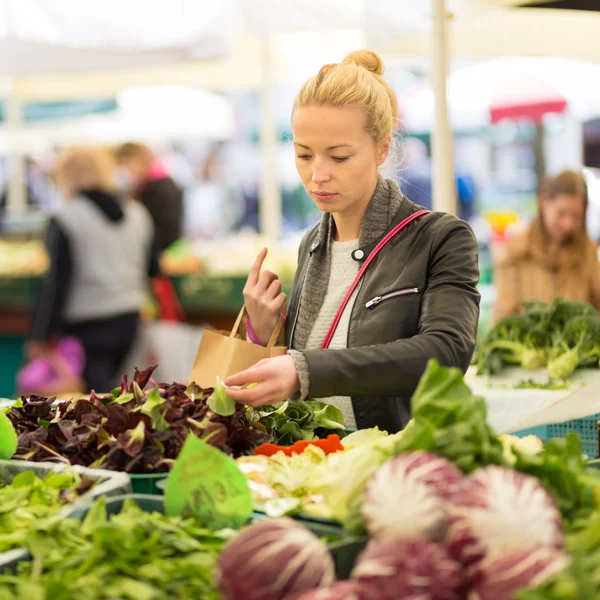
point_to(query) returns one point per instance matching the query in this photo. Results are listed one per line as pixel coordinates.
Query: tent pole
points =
(17, 188)
(269, 190)
(443, 186)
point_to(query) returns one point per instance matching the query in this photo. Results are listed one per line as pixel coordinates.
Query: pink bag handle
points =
(361, 272)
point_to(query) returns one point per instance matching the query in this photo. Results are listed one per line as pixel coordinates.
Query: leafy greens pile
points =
(133, 554)
(306, 420)
(133, 429)
(450, 421)
(562, 336)
(29, 500)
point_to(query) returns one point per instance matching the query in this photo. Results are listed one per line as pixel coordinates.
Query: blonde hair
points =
(134, 150)
(79, 169)
(355, 82)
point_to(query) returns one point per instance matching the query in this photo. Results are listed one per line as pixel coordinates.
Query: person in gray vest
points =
(102, 254)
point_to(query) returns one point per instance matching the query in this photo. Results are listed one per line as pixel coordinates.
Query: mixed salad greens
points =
(29, 500)
(140, 427)
(133, 554)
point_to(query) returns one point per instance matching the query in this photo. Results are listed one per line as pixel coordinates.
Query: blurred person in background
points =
(101, 255)
(555, 256)
(145, 178)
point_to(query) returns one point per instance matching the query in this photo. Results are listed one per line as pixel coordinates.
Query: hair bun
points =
(366, 59)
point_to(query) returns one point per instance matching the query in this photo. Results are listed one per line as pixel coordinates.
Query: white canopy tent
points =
(173, 34)
(50, 36)
(499, 28)
(192, 114)
(478, 93)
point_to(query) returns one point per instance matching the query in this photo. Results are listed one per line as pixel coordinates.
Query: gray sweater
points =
(343, 272)
(110, 259)
(378, 216)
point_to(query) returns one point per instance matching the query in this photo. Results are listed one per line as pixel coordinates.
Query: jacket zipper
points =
(405, 292)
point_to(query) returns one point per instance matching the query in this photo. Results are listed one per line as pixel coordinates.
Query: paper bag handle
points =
(274, 335)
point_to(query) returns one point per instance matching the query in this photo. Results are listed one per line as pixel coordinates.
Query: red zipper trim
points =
(361, 272)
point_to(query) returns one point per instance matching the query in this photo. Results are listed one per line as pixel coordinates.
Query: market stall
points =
(413, 514)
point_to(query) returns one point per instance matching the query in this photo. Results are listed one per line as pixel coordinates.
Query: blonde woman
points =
(101, 256)
(417, 299)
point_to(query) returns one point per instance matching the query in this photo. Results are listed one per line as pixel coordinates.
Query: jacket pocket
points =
(411, 291)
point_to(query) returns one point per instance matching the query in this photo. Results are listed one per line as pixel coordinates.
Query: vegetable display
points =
(8, 438)
(403, 569)
(272, 560)
(561, 337)
(138, 428)
(28, 500)
(134, 554)
(419, 483)
(501, 576)
(498, 509)
(304, 421)
(342, 590)
(329, 445)
(451, 511)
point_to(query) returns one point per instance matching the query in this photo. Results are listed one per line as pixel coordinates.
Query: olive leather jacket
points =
(418, 300)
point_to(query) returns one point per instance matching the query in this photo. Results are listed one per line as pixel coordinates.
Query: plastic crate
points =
(586, 428)
(108, 483)
(541, 431)
(148, 484)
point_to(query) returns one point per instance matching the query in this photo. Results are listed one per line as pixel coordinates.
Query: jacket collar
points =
(384, 209)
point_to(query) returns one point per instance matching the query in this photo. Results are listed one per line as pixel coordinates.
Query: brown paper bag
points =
(222, 353)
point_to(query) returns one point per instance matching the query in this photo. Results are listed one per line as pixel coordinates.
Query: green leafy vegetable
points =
(133, 555)
(220, 402)
(152, 408)
(139, 428)
(561, 467)
(8, 437)
(562, 336)
(450, 421)
(306, 420)
(29, 501)
(531, 384)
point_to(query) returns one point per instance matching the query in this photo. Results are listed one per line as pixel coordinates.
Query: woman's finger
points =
(278, 302)
(264, 281)
(273, 290)
(254, 273)
(254, 396)
(254, 374)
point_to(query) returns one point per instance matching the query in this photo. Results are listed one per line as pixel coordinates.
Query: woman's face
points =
(563, 217)
(336, 158)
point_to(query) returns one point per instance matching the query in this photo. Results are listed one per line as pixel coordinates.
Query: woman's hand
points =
(277, 380)
(263, 299)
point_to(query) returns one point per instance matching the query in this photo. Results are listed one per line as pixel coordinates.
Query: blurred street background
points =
(208, 87)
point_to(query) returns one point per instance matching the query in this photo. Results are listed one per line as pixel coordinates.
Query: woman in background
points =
(554, 257)
(150, 183)
(101, 256)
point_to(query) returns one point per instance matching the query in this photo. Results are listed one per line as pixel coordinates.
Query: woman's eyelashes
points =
(307, 157)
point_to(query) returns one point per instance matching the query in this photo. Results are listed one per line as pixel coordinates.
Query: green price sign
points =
(207, 484)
